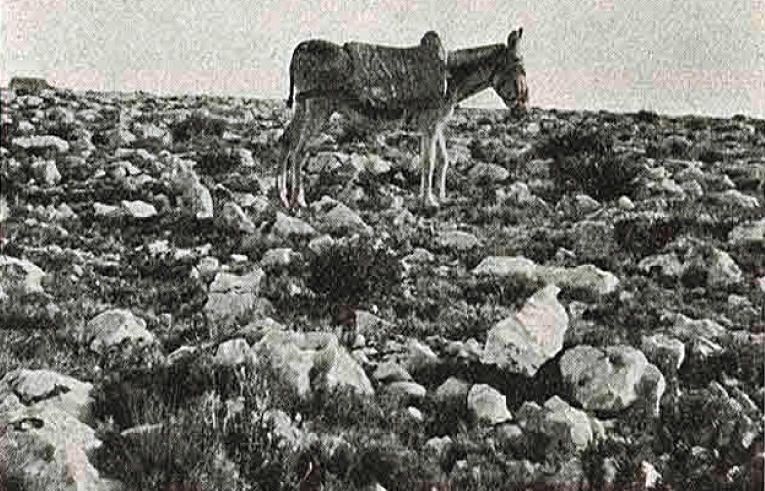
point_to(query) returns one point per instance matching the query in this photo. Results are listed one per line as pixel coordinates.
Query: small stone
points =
(286, 227)
(391, 372)
(138, 209)
(233, 217)
(723, 270)
(457, 240)
(232, 352)
(278, 258)
(664, 351)
(342, 220)
(408, 390)
(46, 172)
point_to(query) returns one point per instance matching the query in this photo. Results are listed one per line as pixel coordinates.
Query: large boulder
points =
(487, 404)
(232, 296)
(609, 379)
(115, 327)
(561, 429)
(20, 275)
(523, 342)
(46, 438)
(307, 361)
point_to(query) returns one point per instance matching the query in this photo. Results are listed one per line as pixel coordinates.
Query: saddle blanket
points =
(389, 78)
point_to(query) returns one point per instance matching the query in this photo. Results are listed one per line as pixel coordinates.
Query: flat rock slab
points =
(586, 278)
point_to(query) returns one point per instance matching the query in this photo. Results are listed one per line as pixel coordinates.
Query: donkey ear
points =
(513, 38)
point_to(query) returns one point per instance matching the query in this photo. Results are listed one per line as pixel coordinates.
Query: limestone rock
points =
(233, 295)
(604, 379)
(138, 209)
(46, 172)
(286, 227)
(562, 429)
(233, 217)
(233, 352)
(311, 360)
(41, 143)
(523, 342)
(341, 220)
(488, 404)
(20, 275)
(114, 327)
(457, 240)
(663, 351)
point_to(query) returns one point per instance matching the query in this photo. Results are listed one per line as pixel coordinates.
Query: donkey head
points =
(509, 79)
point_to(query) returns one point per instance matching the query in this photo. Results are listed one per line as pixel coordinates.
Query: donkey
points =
(320, 71)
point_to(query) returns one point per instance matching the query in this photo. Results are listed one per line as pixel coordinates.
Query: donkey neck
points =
(470, 70)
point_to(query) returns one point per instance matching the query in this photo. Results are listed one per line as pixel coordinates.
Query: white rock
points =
(41, 143)
(523, 342)
(343, 220)
(20, 274)
(748, 233)
(723, 270)
(606, 379)
(664, 351)
(138, 209)
(232, 216)
(233, 352)
(488, 404)
(457, 240)
(46, 172)
(232, 295)
(114, 327)
(286, 226)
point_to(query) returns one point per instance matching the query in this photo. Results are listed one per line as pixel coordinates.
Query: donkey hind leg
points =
(428, 161)
(444, 165)
(317, 114)
(423, 164)
(290, 138)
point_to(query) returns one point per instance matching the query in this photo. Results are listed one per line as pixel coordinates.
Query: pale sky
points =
(670, 56)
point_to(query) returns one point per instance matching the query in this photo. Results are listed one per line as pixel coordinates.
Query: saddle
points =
(386, 78)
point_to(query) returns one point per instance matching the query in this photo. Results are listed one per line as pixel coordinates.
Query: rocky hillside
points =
(586, 311)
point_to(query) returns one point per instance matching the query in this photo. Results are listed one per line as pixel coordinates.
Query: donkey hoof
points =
(284, 199)
(430, 203)
(300, 200)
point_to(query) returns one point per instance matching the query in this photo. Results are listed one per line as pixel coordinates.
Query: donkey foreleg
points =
(444, 166)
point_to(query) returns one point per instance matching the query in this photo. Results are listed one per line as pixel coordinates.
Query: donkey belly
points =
(382, 120)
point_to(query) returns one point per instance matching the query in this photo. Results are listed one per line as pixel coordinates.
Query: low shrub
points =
(355, 272)
(196, 126)
(217, 159)
(585, 161)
